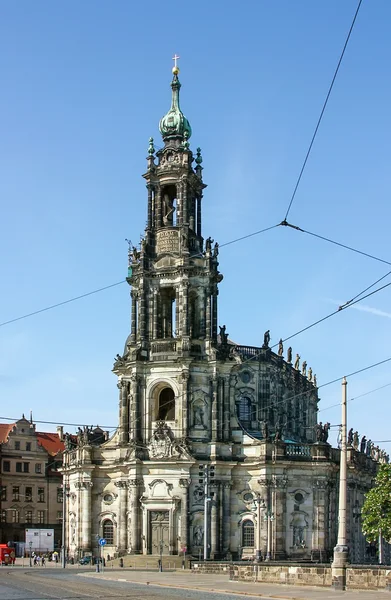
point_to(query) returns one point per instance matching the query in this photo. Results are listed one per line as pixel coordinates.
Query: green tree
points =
(376, 511)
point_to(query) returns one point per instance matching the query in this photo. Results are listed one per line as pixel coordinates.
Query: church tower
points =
(174, 280)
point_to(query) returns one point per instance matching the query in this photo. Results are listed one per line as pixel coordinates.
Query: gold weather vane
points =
(175, 69)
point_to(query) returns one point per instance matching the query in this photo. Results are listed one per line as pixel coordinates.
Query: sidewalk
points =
(220, 583)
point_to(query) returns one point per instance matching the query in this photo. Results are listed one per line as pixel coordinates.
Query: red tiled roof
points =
(5, 430)
(51, 442)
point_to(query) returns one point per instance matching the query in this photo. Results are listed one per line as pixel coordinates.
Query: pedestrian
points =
(43, 561)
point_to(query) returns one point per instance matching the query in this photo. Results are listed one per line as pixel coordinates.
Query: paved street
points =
(20, 583)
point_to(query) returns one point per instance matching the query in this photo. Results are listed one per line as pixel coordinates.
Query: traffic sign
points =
(102, 542)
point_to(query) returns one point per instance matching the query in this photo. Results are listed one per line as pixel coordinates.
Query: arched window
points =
(244, 411)
(108, 532)
(166, 405)
(248, 534)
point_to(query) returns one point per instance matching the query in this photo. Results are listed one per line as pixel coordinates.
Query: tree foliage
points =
(376, 511)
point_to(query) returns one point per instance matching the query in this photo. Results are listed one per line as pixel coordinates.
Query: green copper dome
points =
(174, 124)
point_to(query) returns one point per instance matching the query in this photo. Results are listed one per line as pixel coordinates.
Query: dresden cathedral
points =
(218, 451)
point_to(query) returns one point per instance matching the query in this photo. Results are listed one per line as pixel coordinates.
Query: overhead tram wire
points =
(111, 427)
(47, 308)
(322, 111)
(37, 312)
(356, 397)
(325, 239)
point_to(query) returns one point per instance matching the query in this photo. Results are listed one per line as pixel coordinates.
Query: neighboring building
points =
(30, 483)
(189, 397)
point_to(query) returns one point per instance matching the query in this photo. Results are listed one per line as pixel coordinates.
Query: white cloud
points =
(364, 308)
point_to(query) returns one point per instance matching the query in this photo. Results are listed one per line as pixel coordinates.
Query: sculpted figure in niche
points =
(198, 416)
(198, 535)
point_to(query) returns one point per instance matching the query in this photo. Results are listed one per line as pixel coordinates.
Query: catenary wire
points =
(322, 111)
(112, 427)
(36, 312)
(326, 239)
(363, 291)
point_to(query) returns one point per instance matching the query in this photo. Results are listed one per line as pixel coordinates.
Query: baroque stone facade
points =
(190, 397)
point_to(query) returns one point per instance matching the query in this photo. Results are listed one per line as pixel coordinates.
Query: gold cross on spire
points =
(175, 68)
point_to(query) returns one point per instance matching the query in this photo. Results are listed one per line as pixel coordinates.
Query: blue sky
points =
(84, 85)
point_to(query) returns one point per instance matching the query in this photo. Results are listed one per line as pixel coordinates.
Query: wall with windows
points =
(30, 483)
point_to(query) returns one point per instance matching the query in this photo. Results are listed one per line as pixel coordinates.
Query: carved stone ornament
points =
(163, 444)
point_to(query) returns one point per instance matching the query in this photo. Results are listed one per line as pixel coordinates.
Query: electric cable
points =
(322, 111)
(326, 239)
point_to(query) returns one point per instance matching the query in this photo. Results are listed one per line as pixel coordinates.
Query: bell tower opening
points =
(168, 313)
(170, 206)
(166, 410)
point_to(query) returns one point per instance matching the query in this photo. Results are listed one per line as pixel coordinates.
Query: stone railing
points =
(247, 351)
(298, 451)
(164, 346)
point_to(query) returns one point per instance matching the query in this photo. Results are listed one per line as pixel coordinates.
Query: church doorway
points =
(159, 532)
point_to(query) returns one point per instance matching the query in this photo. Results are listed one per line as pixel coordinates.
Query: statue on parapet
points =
(356, 440)
(223, 335)
(315, 382)
(208, 244)
(304, 368)
(368, 448)
(363, 444)
(280, 348)
(319, 431)
(326, 430)
(266, 339)
(350, 437)
(264, 430)
(297, 362)
(310, 374)
(289, 355)
(216, 250)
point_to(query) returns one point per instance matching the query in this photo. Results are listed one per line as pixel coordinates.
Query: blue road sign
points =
(102, 542)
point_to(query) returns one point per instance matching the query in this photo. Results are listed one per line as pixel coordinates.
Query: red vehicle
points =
(7, 555)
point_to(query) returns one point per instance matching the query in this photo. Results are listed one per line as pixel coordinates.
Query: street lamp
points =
(269, 517)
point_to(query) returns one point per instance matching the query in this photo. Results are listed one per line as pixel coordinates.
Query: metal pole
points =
(206, 500)
(31, 545)
(380, 547)
(258, 556)
(341, 549)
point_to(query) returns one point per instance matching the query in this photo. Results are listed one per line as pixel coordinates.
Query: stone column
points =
(155, 314)
(226, 550)
(185, 319)
(202, 313)
(135, 411)
(199, 215)
(213, 383)
(135, 521)
(184, 484)
(142, 316)
(214, 522)
(124, 412)
(150, 188)
(185, 215)
(158, 207)
(176, 333)
(122, 502)
(86, 515)
(133, 336)
(214, 316)
(318, 527)
(208, 315)
(279, 509)
(185, 377)
(227, 412)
